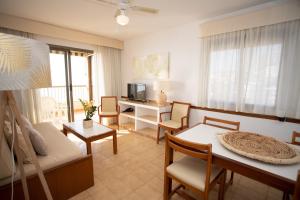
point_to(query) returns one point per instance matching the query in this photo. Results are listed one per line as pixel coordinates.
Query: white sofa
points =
(64, 161)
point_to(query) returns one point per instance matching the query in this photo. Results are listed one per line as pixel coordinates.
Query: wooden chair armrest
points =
(182, 118)
(162, 113)
(99, 109)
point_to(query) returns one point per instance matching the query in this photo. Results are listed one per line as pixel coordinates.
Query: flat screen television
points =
(136, 91)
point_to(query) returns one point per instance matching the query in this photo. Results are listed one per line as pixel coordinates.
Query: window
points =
(254, 70)
(259, 86)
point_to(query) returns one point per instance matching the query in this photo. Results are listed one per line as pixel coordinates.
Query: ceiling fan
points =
(123, 6)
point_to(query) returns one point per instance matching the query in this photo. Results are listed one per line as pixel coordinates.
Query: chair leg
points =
(158, 134)
(118, 123)
(167, 187)
(222, 186)
(231, 178)
(100, 120)
(285, 196)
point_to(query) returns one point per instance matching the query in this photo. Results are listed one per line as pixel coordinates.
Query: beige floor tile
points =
(118, 187)
(81, 196)
(132, 182)
(147, 193)
(156, 184)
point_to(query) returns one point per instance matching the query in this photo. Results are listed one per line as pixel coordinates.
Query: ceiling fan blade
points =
(144, 9)
(117, 13)
(107, 2)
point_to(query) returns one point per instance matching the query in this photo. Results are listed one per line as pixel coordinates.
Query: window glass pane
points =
(80, 83)
(261, 87)
(57, 62)
(223, 75)
(249, 75)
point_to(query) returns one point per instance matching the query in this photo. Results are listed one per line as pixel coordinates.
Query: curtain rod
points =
(65, 48)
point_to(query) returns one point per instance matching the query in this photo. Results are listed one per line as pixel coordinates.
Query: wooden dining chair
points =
(225, 124)
(179, 118)
(109, 108)
(194, 172)
(294, 138)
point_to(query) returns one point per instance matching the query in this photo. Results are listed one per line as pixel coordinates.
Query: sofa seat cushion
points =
(192, 171)
(171, 124)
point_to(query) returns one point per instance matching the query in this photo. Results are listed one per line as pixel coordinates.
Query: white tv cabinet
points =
(145, 117)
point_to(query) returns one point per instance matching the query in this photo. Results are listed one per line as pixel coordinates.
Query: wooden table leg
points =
(115, 143)
(88, 147)
(65, 131)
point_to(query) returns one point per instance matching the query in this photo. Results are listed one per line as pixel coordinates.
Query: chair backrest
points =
(296, 195)
(109, 104)
(196, 150)
(179, 110)
(231, 125)
(294, 138)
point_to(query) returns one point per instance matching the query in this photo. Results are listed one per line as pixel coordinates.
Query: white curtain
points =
(106, 73)
(255, 70)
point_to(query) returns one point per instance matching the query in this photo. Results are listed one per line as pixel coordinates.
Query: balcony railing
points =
(54, 102)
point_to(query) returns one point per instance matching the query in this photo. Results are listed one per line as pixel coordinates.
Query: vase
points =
(87, 123)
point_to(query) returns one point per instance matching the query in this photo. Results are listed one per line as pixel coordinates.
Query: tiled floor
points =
(136, 173)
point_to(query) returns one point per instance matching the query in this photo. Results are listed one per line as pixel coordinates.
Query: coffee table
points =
(89, 135)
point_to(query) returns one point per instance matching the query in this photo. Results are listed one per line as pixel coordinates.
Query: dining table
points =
(282, 177)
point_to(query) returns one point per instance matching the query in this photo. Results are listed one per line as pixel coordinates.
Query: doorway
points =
(71, 81)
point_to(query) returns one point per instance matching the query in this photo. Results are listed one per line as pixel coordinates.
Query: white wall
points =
(183, 45)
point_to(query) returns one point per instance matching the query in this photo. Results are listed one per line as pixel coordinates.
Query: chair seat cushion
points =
(171, 124)
(108, 113)
(192, 171)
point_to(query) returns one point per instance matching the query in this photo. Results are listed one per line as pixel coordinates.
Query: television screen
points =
(136, 91)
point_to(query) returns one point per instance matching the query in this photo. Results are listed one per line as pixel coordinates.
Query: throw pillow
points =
(6, 160)
(24, 151)
(38, 142)
(26, 121)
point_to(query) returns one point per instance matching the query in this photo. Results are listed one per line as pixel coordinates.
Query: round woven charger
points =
(259, 147)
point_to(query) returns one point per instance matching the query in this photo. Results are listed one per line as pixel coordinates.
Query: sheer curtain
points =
(255, 70)
(106, 72)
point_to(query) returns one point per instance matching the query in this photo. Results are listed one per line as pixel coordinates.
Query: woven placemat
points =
(259, 147)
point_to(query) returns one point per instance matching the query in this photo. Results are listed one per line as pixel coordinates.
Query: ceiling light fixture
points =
(121, 18)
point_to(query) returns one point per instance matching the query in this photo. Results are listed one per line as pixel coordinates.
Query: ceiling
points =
(97, 18)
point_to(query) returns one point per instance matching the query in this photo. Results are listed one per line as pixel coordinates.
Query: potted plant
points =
(89, 110)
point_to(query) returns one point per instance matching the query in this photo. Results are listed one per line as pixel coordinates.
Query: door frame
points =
(68, 74)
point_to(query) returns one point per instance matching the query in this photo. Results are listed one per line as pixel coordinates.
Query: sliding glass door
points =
(71, 81)
(80, 76)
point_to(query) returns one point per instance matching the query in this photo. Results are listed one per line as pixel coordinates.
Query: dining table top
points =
(207, 134)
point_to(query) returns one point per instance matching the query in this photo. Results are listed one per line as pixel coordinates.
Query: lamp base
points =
(162, 99)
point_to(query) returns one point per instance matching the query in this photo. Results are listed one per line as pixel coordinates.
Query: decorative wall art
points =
(154, 66)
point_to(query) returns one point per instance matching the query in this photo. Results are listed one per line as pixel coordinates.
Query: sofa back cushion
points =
(6, 159)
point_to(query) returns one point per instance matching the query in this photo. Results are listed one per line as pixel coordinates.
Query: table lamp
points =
(24, 64)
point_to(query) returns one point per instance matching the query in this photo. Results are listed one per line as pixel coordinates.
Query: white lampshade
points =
(164, 85)
(122, 19)
(24, 63)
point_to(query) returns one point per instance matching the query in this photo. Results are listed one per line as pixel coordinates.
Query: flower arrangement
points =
(89, 109)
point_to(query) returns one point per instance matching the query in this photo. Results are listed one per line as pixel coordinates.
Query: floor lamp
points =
(24, 64)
